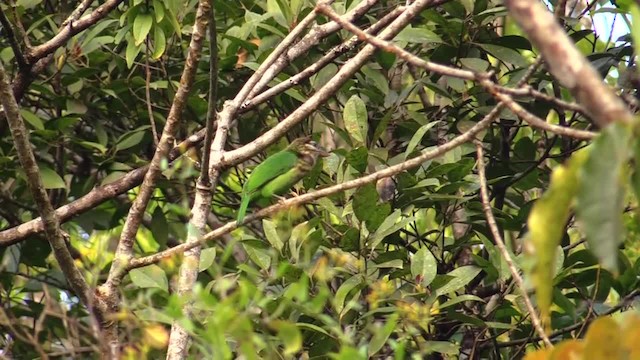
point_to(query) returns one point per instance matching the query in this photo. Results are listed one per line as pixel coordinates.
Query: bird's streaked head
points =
(306, 146)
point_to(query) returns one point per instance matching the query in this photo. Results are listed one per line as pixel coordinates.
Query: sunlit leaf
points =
(151, 276)
(424, 266)
(546, 222)
(141, 27)
(356, 119)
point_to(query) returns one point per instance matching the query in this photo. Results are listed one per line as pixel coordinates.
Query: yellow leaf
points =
(603, 340)
(631, 336)
(546, 224)
(156, 336)
(568, 350)
(542, 354)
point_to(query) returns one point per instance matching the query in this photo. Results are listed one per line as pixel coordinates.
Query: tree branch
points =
(179, 338)
(124, 250)
(567, 64)
(34, 181)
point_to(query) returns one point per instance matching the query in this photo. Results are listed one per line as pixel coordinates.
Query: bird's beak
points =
(322, 152)
(318, 150)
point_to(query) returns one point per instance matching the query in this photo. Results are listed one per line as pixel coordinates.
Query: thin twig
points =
(532, 119)
(13, 41)
(147, 92)
(623, 303)
(312, 69)
(491, 221)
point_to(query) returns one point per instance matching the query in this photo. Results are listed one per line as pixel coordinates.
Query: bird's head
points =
(307, 147)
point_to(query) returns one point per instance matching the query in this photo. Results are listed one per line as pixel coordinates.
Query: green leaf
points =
(159, 42)
(271, 233)
(381, 334)
(206, 258)
(344, 290)
(634, 10)
(290, 336)
(258, 255)
(151, 276)
(358, 158)
(356, 119)
(132, 52)
(505, 54)
(417, 137)
(460, 277)
(364, 199)
(141, 27)
(130, 139)
(417, 35)
(313, 327)
(51, 179)
(389, 226)
(600, 199)
(366, 207)
(459, 299)
(424, 266)
(32, 119)
(171, 16)
(442, 347)
(158, 10)
(159, 226)
(475, 64)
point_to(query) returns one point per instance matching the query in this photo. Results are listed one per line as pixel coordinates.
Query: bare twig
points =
(491, 221)
(529, 91)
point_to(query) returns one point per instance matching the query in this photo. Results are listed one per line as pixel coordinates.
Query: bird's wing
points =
(272, 167)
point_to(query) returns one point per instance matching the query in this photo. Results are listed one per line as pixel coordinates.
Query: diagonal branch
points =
(71, 27)
(322, 95)
(307, 42)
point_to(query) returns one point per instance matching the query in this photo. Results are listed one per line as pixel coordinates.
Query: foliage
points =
(403, 268)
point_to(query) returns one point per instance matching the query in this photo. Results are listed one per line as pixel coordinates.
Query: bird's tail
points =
(243, 207)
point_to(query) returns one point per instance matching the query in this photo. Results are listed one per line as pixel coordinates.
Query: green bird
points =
(279, 172)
